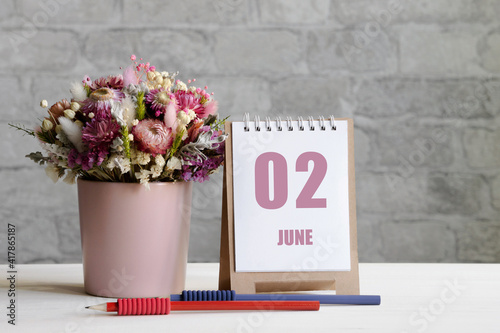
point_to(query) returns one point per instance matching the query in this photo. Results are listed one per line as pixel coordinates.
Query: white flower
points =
(183, 118)
(181, 86)
(73, 132)
(143, 177)
(167, 83)
(117, 113)
(78, 91)
(47, 125)
(139, 157)
(192, 89)
(52, 172)
(191, 114)
(70, 177)
(160, 161)
(117, 144)
(174, 163)
(156, 171)
(44, 103)
(75, 106)
(128, 106)
(91, 115)
(70, 114)
(135, 122)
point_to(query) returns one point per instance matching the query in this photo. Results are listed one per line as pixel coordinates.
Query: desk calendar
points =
(289, 220)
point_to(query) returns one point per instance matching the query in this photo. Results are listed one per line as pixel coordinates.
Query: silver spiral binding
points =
(310, 120)
(257, 123)
(300, 121)
(246, 119)
(268, 123)
(332, 123)
(278, 123)
(289, 123)
(322, 122)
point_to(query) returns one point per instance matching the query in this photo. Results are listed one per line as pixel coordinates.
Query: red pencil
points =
(154, 306)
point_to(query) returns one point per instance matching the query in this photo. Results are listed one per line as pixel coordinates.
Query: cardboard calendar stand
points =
(343, 282)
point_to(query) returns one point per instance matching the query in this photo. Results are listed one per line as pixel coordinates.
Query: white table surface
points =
(415, 298)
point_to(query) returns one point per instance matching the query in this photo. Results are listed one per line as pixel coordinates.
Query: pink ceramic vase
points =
(134, 241)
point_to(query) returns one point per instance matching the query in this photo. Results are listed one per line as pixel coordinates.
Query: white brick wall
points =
(421, 79)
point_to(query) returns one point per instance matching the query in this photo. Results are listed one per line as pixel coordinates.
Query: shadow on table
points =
(59, 288)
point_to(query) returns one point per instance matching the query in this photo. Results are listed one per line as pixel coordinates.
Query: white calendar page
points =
(291, 198)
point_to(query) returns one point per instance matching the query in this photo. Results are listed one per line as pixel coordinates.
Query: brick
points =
(418, 241)
(207, 198)
(416, 193)
(205, 220)
(390, 193)
(36, 234)
(330, 50)
(309, 96)
(424, 11)
(437, 52)
(68, 233)
(238, 95)
(104, 53)
(184, 51)
(433, 97)
(490, 53)
(369, 238)
(454, 193)
(8, 11)
(39, 50)
(362, 11)
(11, 90)
(51, 88)
(169, 50)
(294, 11)
(30, 189)
(362, 148)
(188, 12)
(408, 146)
(204, 240)
(478, 242)
(15, 145)
(447, 11)
(481, 147)
(495, 190)
(70, 12)
(258, 52)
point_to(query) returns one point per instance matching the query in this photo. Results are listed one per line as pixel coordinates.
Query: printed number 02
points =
(280, 173)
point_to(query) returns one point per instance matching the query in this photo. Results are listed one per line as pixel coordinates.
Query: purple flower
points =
(100, 133)
(99, 102)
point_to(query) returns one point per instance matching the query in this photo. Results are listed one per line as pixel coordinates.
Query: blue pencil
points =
(230, 295)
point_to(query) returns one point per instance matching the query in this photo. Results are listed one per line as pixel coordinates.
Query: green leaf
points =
(23, 129)
(141, 107)
(38, 158)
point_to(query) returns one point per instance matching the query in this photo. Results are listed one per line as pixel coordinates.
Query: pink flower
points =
(100, 133)
(152, 136)
(129, 77)
(158, 101)
(187, 100)
(99, 102)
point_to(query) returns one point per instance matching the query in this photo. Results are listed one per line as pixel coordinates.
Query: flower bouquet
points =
(143, 126)
(115, 132)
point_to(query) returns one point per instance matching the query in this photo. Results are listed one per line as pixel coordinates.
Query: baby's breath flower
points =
(44, 103)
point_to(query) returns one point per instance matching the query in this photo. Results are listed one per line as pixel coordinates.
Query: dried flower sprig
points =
(140, 126)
